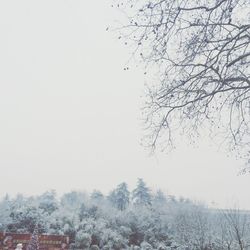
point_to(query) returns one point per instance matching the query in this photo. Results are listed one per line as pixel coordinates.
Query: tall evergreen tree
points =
(141, 194)
(34, 240)
(120, 196)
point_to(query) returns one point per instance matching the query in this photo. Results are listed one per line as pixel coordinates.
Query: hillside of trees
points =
(124, 219)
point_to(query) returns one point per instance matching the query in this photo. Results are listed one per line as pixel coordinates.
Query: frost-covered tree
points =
(83, 240)
(141, 194)
(97, 195)
(112, 197)
(98, 225)
(73, 199)
(120, 196)
(48, 201)
(24, 218)
(192, 226)
(34, 240)
(237, 223)
(5, 211)
(82, 211)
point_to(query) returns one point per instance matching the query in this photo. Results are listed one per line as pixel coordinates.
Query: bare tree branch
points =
(201, 49)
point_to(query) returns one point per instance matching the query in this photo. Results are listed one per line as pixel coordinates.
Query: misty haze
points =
(125, 124)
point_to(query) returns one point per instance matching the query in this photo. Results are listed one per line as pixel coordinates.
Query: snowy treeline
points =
(139, 219)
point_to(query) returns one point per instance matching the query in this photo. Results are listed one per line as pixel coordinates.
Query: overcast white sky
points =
(70, 115)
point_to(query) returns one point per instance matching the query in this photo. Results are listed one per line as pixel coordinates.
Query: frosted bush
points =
(146, 246)
(83, 240)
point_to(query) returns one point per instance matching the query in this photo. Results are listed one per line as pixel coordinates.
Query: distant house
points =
(9, 241)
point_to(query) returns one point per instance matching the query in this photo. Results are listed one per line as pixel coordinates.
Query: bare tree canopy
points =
(201, 49)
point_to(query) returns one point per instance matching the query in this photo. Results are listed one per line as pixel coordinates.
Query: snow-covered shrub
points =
(83, 240)
(162, 246)
(146, 246)
(94, 247)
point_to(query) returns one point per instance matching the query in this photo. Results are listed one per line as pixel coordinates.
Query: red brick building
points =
(8, 241)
